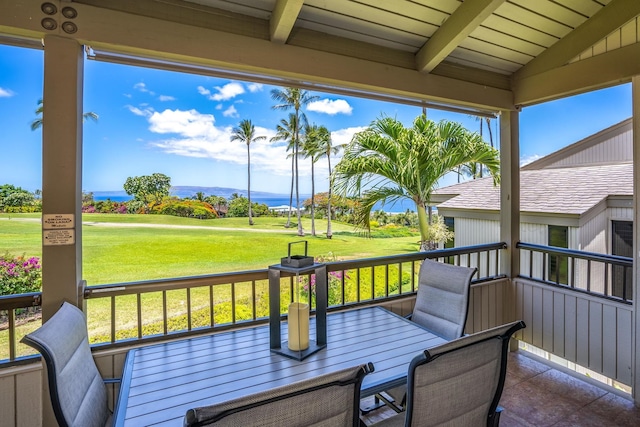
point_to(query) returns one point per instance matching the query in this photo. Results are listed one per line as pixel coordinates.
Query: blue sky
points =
(180, 125)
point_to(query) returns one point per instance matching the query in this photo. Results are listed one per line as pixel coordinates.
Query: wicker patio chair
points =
(78, 393)
(458, 383)
(329, 400)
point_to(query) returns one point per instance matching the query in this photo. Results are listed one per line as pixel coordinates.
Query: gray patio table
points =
(160, 382)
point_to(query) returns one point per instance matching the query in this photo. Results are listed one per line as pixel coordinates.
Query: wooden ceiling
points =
(478, 54)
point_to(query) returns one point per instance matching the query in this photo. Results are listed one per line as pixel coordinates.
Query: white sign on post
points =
(54, 221)
(58, 237)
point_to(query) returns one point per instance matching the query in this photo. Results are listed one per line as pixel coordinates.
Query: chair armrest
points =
(408, 316)
(112, 380)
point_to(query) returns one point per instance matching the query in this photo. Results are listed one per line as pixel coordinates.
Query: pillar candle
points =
(298, 326)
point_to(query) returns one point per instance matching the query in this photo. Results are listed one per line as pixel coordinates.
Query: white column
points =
(61, 180)
(510, 190)
(61, 171)
(510, 206)
(636, 248)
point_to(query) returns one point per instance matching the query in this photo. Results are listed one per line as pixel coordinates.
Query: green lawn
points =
(116, 253)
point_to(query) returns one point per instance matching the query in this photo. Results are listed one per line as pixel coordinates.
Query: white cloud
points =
(344, 136)
(254, 87)
(231, 112)
(195, 135)
(166, 98)
(224, 93)
(529, 159)
(146, 112)
(5, 93)
(331, 107)
(143, 88)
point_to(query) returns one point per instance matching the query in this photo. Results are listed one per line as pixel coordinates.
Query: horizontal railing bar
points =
(11, 302)
(610, 259)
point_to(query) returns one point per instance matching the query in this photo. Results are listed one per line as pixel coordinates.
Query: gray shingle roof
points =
(572, 190)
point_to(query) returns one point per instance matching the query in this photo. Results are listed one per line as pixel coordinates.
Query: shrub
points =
(186, 208)
(19, 274)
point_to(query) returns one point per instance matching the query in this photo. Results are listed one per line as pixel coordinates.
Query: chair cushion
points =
(442, 300)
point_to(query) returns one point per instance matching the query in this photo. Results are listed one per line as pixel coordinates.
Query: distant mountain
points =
(190, 191)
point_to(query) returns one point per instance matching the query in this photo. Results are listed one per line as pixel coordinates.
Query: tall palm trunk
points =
(288, 224)
(313, 202)
(423, 223)
(297, 147)
(249, 183)
(329, 232)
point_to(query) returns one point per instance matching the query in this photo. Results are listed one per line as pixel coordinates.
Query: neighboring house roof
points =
(570, 181)
(563, 190)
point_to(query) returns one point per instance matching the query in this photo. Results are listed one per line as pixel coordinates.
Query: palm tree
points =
(391, 162)
(246, 132)
(295, 98)
(285, 131)
(311, 149)
(37, 122)
(326, 149)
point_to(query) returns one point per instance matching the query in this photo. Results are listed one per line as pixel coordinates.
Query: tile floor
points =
(536, 394)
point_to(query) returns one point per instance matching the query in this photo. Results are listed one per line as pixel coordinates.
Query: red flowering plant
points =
(335, 279)
(19, 274)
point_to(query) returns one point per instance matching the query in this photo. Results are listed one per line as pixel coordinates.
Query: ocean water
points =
(397, 207)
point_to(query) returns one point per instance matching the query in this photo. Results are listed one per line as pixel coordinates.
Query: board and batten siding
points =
(614, 150)
(592, 332)
(21, 396)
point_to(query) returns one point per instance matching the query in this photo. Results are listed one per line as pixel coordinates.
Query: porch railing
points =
(601, 275)
(136, 312)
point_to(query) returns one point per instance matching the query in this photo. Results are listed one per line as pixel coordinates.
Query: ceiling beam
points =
(136, 35)
(467, 17)
(607, 69)
(283, 17)
(606, 20)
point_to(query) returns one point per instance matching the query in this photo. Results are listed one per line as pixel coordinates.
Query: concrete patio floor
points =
(536, 394)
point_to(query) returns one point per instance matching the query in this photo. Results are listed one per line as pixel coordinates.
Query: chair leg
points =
(494, 419)
(380, 401)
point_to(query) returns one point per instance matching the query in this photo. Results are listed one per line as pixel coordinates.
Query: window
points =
(449, 222)
(622, 245)
(558, 265)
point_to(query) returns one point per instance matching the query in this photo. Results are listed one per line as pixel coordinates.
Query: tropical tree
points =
(295, 98)
(246, 132)
(285, 131)
(37, 122)
(149, 189)
(311, 149)
(389, 162)
(326, 150)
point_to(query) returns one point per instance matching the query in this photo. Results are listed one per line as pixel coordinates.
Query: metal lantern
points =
(298, 345)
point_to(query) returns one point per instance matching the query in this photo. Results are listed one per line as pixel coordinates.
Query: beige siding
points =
(488, 304)
(21, 396)
(592, 332)
(476, 232)
(614, 150)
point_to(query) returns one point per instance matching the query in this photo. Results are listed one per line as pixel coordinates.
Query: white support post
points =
(510, 206)
(61, 183)
(635, 370)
